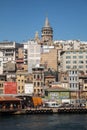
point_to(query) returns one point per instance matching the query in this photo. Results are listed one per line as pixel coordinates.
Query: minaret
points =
(37, 37)
(47, 32)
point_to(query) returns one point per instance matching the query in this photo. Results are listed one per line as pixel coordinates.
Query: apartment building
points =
(2, 81)
(33, 55)
(8, 51)
(1, 61)
(74, 59)
(20, 79)
(74, 79)
(49, 57)
(38, 80)
(20, 58)
(7, 59)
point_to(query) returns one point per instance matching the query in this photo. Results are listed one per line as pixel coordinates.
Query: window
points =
(80, 52)
(41, 83)
(74, 57)
(68, 57)
(34, 76)
(75, 72)
(0, 63)
(34, 84)
(80, 66)
(22, 80)
(68, 67)
(74, 62)
(67, 62)
(19, 87)
(85, 87)
(68, 52)
(38, 83)
(38, 76)
(80, 57)
(74, 67)
(74, 52)
(81, 62)
(72, 72)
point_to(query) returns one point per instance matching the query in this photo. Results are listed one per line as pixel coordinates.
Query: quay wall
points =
(52, 111)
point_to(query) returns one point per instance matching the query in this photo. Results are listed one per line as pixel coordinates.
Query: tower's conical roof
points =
(47, 23)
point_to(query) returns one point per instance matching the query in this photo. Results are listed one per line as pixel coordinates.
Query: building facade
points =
(38, 80)
(74, 59)
(34, 51)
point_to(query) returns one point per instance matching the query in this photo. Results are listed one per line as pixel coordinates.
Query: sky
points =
(21, 19)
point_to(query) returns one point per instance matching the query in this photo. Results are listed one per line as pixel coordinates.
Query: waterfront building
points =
(2, 80)
(64, 79)
(9, 104)
(83, 84)
(48, 80)
(57, 94)
(10, 87)
(29, 88)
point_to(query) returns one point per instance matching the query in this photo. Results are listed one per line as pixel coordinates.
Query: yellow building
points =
(21, 79)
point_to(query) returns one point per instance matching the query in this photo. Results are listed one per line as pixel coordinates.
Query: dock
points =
(52, 111)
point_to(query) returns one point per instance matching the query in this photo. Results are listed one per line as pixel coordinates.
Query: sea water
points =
(44, 122)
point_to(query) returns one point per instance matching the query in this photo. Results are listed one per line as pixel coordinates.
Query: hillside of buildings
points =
(53, 69)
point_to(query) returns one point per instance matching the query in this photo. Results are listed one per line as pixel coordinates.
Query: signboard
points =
(59, 95)
(64, 95)
(10, 88)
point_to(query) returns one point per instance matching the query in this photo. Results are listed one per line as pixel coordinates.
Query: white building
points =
(1, 62)
(7, 58)
(8, 51)
(73, 79)
(29, 88)
(74, 59)
(34, 51)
